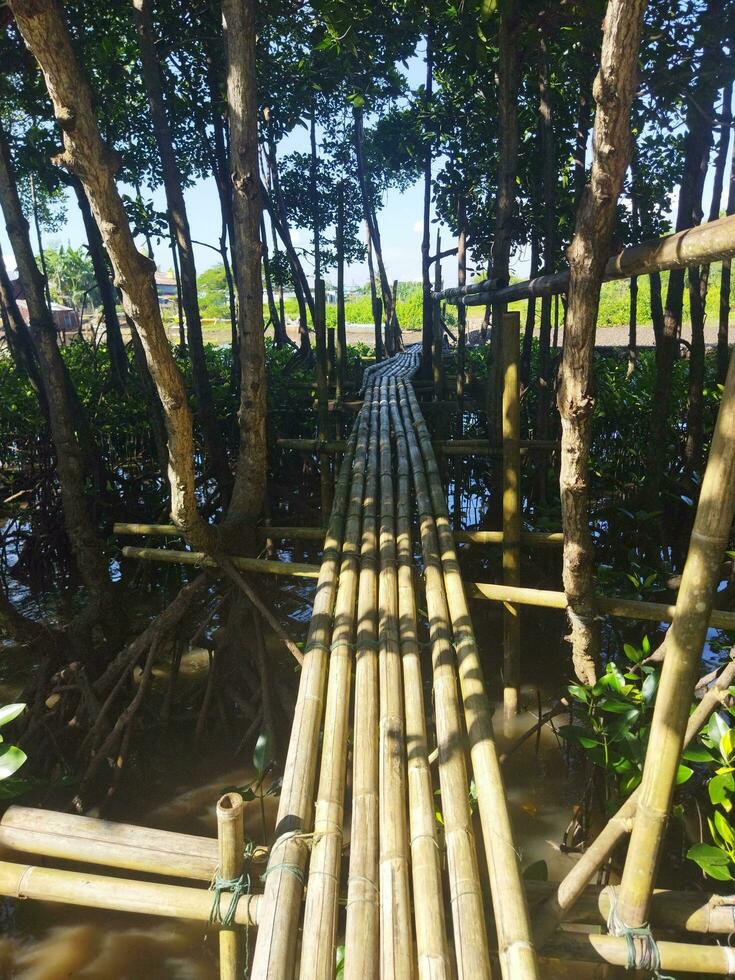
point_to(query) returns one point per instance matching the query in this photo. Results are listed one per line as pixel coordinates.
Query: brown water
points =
(42, 941)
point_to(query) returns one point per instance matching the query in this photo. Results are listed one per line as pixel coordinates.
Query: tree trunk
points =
(530, 316)
(548, 191)
(427, 306)
(723, 327)
(584, 118)
(279, 216)
(372, 223)
(375, 303)
(633, 307)
(461, 317)
(279, 329)
(314, 187)
(87, 546)
(18, 338)
(177, 276)
(85, 154)
(613, 91)
(341, 349)
(115, 343)
(657, 306)
(214, 444)
(508, 70)
(696, 154)
(238, 19)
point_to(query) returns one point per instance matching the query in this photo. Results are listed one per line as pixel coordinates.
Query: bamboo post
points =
(363, 906)
(564, 898)
(684, 643)
(230, 838)
(25, 881)
(510, 350)
(320, 916)
(320, 329)
(468, 918)
(431, 935)
(515, 944)
(276, 943)
(396, 934)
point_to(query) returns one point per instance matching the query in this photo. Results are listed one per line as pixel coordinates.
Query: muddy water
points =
(49, 942)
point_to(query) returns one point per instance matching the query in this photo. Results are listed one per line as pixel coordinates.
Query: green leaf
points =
(697, 753)
(712, 860)
(339, 963)
(634, 655)
(11, 759)
(579, 692)
(716, 728)
(538, 871)
(262, 754)
(724, 829)
(649, 688)
(10, 712)
(720, 787)
(727, 744)
(683, 774)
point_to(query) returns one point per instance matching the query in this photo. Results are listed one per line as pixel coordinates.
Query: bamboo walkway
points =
(414, 892)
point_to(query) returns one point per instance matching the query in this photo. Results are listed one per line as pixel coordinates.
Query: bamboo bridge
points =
(375, 877)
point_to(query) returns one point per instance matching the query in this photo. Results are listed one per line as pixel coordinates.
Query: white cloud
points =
(418, 226)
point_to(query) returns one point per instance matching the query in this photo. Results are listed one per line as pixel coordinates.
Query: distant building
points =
(166, 288)
(65, 317)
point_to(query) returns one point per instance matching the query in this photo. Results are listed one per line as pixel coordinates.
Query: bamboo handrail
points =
(470, 940)
(363, 906)
(320, 916)
(27, 881)
(515, 943)
(275, 948)
(704, 243)
(396, 928)
(434, 961)
(682, 957)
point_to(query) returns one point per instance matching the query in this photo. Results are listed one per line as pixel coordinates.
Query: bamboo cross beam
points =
(26, 881)
(702, 244)
(261, 565)
(446, 447)
(297, 533)
(610, 605)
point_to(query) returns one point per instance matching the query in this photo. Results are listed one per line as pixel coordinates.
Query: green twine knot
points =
(643, 955)
(238, 887)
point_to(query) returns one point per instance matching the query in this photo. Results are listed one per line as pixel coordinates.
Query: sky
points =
(399, 219)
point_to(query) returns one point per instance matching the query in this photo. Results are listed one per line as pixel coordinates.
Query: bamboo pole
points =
(300, 533)
(230, 839)
(656, 612)
(682, 957)
(510, 352)
(684, 643)
(276, 943)
(71, 837)
(260, 565)
(363, 905)
(702, 244)
(468, 917)
(431, 936)
(515, 944)
(396, 934)
(25, 881)
(320, 916)
(559, 906)
(672, 910)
